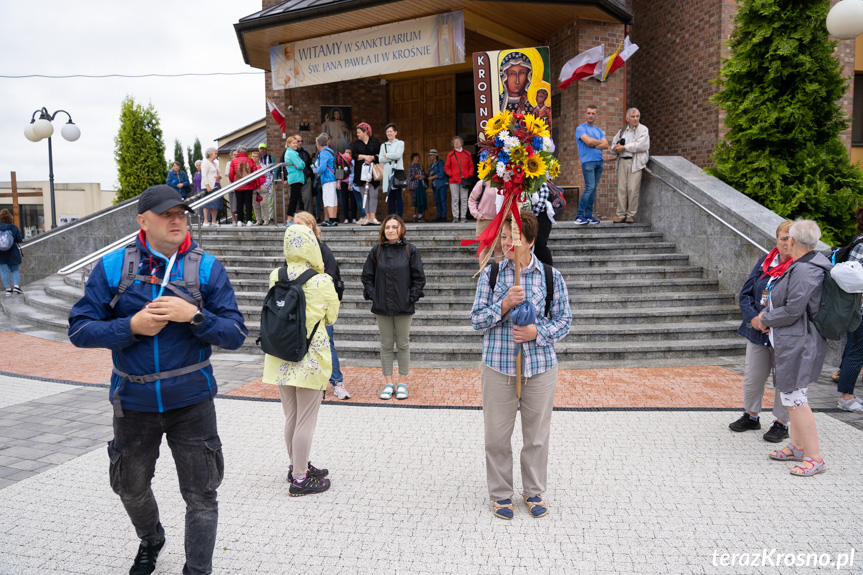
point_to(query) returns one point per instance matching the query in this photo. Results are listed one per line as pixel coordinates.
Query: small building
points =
(250, 136)
(73, 201)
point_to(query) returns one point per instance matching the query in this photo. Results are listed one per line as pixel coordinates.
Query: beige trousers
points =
(628, 186)
(499, 406)
(301, 416)
(259, 207)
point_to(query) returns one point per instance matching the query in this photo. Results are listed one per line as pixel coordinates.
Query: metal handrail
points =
(720, 220)
(199, 203)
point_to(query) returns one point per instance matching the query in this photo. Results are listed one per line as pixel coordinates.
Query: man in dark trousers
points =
(159, 305)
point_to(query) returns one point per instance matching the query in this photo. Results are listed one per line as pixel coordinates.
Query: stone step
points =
(443, 263)
(250, 304)
(434, 255)
(239, 275)
(578, 334)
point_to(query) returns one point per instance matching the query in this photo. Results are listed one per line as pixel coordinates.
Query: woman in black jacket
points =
(10, 258)
(393, 279)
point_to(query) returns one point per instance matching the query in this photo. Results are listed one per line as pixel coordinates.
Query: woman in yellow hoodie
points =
(301, 383)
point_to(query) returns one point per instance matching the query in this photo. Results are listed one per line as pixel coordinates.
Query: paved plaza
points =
(663, 489)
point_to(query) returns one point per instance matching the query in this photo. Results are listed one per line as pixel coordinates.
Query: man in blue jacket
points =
(159, 306)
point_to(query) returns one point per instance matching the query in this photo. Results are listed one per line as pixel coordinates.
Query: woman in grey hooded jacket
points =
(799, 350)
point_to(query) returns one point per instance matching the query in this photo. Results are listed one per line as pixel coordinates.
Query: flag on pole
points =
(277, 114)
(616, 60)
(582, 66)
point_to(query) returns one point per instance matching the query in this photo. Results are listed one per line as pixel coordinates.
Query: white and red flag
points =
(616, 60)
(277, 114)
(585, 65)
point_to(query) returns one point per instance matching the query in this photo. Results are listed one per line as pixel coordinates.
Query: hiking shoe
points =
(309, 486)
(592, 221)
(853, 405)
(340, 391)
(776, 433)
(145, 560)
(17, 289)
(745, 423)
(311, 471)
(580, 221)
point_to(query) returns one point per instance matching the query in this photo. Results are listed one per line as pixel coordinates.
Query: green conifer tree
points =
(139, 150)
(178, 157)
(194, 154)
(780, 90)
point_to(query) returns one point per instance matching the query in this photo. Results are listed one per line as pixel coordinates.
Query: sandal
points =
(535, 505)
(796, 454)
(402, 391)
(503, 509)
(807, 471)
(387, 393)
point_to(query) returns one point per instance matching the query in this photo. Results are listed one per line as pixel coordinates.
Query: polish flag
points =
(277, 114)
(582, 66)
(616, 60)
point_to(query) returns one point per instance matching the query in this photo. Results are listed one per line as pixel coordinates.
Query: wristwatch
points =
(198, 318)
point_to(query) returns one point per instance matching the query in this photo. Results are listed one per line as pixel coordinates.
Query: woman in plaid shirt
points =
(490, 312)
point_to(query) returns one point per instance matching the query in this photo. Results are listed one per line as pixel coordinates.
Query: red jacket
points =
(452, 168)
(232, 170)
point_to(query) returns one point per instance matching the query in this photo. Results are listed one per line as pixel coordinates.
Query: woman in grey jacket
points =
(799, 350)
(392, 158)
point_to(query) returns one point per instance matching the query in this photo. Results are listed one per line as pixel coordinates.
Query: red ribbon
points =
(489, 235)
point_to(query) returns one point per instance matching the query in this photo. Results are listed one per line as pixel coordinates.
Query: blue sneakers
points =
(580, 221)
(592, 221)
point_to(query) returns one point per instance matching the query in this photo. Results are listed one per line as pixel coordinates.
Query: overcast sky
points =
(103, 37)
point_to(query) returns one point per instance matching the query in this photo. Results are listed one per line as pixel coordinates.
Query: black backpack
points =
(283, 318)
(840, 255)
(549, 284)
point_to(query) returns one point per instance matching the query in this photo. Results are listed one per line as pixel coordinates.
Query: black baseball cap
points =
(160, 199)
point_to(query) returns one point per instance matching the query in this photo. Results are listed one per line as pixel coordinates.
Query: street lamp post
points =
(43, 128)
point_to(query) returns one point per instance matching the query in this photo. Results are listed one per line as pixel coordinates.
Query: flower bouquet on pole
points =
(515, 158)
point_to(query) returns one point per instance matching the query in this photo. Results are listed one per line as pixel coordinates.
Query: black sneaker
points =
(309, 486)
(745, 423)
(776, 433)
(312, 471)
(145, 560)
(17, 290)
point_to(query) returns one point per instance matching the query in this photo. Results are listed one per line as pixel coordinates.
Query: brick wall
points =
(674, 68)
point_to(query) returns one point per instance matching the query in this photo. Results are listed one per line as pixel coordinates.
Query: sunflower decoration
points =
(485, 168)
(534, 166)
(517, 155)
(499, 122)
(553, 170)
(536, 126)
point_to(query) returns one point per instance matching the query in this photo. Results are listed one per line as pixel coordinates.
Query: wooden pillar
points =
(15, 211)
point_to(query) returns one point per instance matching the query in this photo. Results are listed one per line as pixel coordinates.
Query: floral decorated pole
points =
(515, 158)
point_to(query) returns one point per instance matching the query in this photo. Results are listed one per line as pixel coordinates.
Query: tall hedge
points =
(780, 89)
(138, 150)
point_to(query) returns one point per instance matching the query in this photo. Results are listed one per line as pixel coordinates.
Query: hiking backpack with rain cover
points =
(283, 318)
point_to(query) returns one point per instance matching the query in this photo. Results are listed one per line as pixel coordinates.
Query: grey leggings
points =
(395, 329)
(759, 361)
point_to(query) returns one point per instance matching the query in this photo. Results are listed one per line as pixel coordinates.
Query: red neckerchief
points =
(778, 270)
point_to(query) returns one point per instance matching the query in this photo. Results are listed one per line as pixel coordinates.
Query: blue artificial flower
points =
(503, 157)
(537, 144)
(498, 140)
(483, 156)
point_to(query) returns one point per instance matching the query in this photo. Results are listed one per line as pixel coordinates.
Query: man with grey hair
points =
(799, 350)
(632, 145)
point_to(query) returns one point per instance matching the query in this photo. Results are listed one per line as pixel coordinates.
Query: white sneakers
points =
(249, 224)
(340, 391)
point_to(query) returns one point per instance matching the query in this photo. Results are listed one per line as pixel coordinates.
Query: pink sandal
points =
(796, 454)
(814, 470)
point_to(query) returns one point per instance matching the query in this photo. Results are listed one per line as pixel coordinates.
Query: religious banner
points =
(517, 80)
(425, 42)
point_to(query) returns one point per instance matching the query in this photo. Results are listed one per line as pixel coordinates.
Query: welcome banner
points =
(410, 45)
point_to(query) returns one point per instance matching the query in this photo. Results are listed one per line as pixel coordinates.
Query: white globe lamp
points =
(845, 19)
(30, 133)
(70, 132)
(43, 128)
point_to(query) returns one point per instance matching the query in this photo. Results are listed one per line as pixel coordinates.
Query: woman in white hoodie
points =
(391, 156)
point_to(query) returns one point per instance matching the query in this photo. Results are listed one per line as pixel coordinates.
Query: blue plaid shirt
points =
(498, 344)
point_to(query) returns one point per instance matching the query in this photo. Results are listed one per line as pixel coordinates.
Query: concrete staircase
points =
(635, 301)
